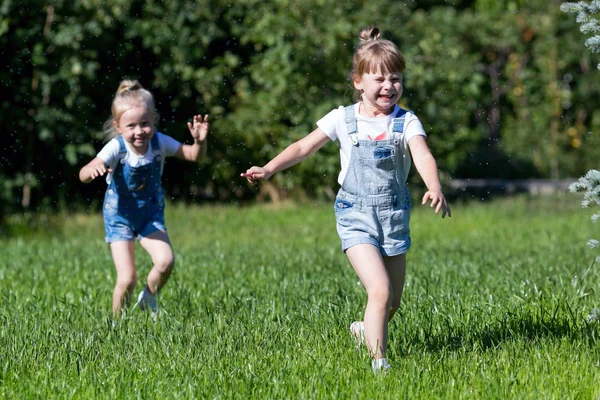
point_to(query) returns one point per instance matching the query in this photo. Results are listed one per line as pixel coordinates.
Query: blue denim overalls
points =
(134, 202)
(373, 204)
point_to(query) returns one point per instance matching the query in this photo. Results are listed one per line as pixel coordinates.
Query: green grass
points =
(259, 306)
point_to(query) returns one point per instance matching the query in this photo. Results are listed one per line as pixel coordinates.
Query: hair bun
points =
(371, 33)
(127, 85)
(374, 33)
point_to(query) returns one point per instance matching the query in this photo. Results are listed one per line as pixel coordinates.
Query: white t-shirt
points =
(334, 126)
(110, 153)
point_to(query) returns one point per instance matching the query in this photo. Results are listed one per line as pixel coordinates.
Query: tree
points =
(497, 86)
(500, 87)
(589, 25)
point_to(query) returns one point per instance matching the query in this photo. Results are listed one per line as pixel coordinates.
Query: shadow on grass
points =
(522, 325)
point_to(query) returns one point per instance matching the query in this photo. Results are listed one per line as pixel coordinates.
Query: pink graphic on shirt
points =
(379, 137)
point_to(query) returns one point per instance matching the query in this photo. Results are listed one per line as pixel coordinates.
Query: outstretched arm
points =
(199, 131)
(427, 168)
(292, 155)
(92, 170)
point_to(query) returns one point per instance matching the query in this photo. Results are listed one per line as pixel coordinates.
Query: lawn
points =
(260, 302)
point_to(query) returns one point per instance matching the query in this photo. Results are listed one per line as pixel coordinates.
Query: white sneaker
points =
(147, 302)
(380, 366)
(357, 329)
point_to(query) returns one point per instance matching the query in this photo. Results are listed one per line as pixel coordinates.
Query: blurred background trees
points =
(503, 89)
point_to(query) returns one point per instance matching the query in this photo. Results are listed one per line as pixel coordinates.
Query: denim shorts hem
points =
(395, 251)
(117, 238)
(125, 233)
(151, 228)
(386, 252)
(346, 244)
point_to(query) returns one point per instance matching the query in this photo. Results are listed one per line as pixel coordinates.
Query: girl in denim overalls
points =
(134, 200)
(372, 208)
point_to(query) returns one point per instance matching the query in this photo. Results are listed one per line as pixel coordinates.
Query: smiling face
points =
(136, 127)
(380, 91)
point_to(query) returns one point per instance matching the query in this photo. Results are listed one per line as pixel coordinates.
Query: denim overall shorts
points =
(134, 203)
(373, 204)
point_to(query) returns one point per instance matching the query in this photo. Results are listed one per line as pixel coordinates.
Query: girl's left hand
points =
(199, 129)
(438, 201)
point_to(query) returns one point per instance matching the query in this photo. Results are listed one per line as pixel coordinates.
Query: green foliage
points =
(589, 25)
(497, 92)
(589, 185)
(500, 87)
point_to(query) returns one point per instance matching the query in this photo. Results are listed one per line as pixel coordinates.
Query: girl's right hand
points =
(254, 174)
(93, 170)
(101, 170)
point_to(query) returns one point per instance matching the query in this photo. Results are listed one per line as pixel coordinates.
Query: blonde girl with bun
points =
(132, 162)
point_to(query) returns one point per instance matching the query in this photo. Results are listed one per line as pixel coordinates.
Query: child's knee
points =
(127, 281)
(381, 295)
(165, 262)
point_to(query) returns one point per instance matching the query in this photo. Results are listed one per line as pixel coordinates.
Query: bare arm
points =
(199, 131)
(292, 155)
(92, 170)
(427, 168)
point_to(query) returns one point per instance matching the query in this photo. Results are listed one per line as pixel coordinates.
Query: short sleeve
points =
(169, 146)
(330, 122)
(110, 153)
(413, 127)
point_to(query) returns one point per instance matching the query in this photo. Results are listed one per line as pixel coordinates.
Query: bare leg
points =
(396, 268)
(158, 246)
(122, 253)
(370, 268)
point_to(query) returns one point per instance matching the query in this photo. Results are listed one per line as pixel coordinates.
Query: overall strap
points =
(351, 128)
(122, 148)
(155, 144)
(398, 127)
(156, 151)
